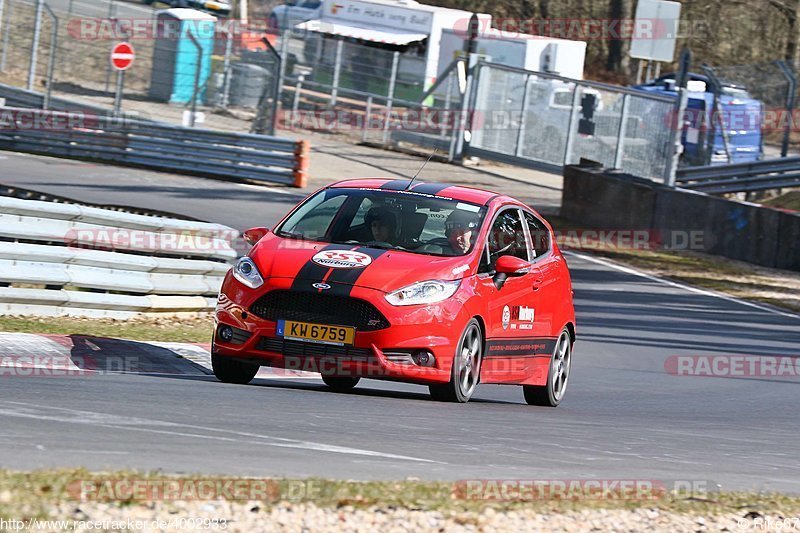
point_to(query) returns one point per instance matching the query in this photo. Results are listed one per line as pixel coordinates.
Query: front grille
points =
(319, 309)
(309, 349)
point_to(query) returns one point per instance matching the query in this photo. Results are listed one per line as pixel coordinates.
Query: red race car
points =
(435, 284)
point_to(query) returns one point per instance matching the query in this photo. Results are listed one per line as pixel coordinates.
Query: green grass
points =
(789, 200)
(30, 494)
(162, 329)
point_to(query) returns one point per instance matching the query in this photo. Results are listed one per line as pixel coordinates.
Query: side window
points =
(540, 236)
(507, 237)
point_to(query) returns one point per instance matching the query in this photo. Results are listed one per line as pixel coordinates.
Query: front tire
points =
(340, 384)
(551, 394)
(229, 370)
(466, 369)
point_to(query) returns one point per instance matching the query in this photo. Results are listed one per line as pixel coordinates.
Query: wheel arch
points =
(571, 328)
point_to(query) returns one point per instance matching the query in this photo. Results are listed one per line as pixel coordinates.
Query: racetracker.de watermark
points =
(577, 489)
(736, 366)
(57, 366)
(15, 119)
(164, 489)
(178, 242)
(584, 29)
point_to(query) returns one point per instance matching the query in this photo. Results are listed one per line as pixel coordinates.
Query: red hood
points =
(389, 270)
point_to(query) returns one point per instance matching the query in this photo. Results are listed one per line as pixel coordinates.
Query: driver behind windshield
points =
(460, 229)
(384, 224)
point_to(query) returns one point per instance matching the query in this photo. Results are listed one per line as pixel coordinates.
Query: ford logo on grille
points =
(321, 286)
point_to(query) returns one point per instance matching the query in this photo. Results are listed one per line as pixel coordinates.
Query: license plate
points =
(323, 334)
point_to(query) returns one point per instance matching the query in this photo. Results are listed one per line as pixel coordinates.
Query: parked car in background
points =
(718, 129)
(220, 8)
(294, 12)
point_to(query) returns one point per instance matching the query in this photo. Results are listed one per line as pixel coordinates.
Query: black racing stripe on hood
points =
(311, 272)
(430, 188)
(395, 185)
(343, 279)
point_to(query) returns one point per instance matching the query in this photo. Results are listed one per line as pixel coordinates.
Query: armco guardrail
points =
(17, 97)
(742, 177)
(154, 145)
(76, 260)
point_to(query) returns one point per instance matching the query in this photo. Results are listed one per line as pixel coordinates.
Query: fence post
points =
(572, 125)
(469, 99)
(337, 67)
(301, 153)
(390, 95)
(226, 68)
(6, 33)
(2, 12)
(676, 147)
(367, 117)
(51, 61)
(790, 103)
(284, 60)
(623, 126)
(523, 112)
(111, 12)
(37, 30)
(296, 100)
(196, 43)
(447, 99)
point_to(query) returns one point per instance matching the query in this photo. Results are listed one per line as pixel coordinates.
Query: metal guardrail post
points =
(573, 123)
(37, 30)
(6, 36)
(623, 126)
(51, 61)
(337, 67)
(790, 103)
(390, 94)
(196, 43)
(523, 113)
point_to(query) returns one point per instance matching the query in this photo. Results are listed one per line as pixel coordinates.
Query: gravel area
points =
(252, 516)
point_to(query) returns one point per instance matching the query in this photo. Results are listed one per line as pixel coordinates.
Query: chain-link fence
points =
(752, 100)
(536, 118)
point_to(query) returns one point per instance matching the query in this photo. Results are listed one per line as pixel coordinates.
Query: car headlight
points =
(423, 292)
(246, 272)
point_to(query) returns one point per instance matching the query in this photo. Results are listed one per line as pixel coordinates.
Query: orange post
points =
(302, 151)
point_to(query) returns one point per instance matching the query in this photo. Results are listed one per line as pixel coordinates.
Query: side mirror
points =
(509, 265)
(253, 235)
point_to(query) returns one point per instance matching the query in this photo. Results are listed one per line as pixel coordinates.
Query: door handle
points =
(537, 283)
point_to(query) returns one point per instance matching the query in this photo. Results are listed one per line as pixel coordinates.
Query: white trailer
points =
(531, 52)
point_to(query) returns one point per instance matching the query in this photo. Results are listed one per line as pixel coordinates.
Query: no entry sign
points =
(122, 56)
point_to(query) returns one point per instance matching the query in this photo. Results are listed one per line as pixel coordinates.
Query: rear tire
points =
(466, 369)
(229, 370)
(550, 395)
(340, 384)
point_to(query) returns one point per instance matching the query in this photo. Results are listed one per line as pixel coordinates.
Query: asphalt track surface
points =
(624, 417)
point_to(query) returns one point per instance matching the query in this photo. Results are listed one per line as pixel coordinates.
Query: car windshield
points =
(394, 220)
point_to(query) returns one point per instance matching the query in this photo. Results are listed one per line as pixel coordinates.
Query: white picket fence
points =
(67, 259)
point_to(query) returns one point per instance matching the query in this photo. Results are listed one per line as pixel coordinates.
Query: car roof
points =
(442, 190)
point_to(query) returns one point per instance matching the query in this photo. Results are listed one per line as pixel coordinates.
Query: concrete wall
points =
(739, 230)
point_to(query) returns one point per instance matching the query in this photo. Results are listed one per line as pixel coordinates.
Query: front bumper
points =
(434, 328)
